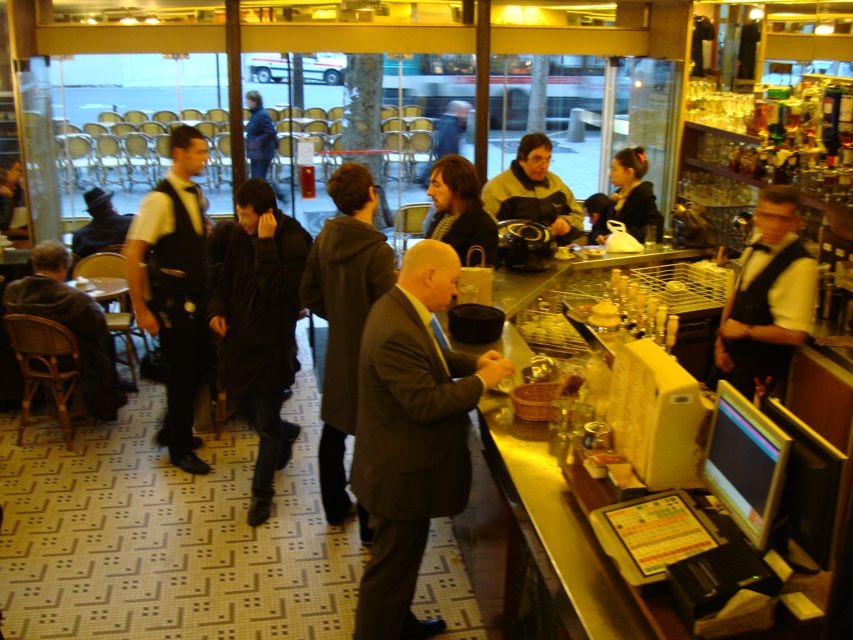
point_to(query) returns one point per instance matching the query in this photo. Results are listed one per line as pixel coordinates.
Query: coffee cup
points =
(563, 252)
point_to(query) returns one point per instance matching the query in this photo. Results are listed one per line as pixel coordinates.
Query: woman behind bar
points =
(634, 201)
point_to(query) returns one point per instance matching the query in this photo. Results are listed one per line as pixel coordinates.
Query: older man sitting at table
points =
(47, 295)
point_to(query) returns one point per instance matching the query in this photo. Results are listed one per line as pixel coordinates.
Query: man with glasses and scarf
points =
(528, 191)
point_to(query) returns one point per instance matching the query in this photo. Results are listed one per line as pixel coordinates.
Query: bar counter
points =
(589, 597)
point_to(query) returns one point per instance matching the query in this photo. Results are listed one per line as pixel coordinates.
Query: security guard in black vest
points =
(167, 250)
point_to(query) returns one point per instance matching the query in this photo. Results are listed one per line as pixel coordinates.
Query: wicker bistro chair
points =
(273, 113)
(76, 154)
(165, 116)
(288, 126)
(94, 129)
(208, 129)
(120, 323)
(421, 124)
(335, 113)
(336, 127)
(162, 153)
(396, 145)
(49, 357)
(388, 111)
(318, 113)
(64, 128)
(411, 110)
(289, 112)
(316, 126)
(421, 148)
(284, 155)
(135, 116)
(109, 159)
(151, 128)
(109, 116)
(222, 159)
(394, 124)
(216, 115)
(138, 157)
(191, 114)
(121, 129)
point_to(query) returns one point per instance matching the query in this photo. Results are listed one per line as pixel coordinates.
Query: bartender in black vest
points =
(770, 312)
(167, 246)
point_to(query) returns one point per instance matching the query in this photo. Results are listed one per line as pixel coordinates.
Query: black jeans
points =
(259, 168)
(187, 351)
(271, 431)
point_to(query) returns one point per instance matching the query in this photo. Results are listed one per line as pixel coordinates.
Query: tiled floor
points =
(110, 541)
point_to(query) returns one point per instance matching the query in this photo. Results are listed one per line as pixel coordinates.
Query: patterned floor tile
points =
(110, 541)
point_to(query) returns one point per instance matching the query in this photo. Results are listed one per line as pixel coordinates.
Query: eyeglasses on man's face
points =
(538, 160)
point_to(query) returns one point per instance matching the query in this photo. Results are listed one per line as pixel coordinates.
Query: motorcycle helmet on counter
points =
(524, 245)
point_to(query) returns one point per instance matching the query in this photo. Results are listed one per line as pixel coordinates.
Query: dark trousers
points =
(333, 478)
(389, 580)
(333, 475)
(259, 168)
(187, 351)
(268, 424)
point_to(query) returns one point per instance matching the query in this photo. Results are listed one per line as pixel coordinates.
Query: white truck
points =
(329, 68)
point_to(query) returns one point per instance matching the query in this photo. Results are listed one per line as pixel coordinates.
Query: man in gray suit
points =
(411, 459)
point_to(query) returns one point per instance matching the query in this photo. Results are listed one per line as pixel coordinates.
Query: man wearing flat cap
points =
(107, 226)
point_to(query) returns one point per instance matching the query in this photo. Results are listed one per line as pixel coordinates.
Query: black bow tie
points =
(761, 247)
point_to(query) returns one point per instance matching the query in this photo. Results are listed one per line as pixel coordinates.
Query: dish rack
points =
(686, 286)
(542, 325)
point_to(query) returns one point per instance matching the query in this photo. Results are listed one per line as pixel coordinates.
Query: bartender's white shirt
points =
(156, 217)
(792, 295)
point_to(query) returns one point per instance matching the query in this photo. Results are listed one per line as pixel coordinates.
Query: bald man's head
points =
(430, 272)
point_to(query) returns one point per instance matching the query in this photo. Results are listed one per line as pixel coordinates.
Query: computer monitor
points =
(809, 513)
(745, 464)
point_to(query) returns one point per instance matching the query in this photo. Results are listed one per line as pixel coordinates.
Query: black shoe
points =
(338, 518)
(284, 455)
(127, 386)
(259, 511)
(160, 440)
(190, 463)
(418, 629)
(291, 431)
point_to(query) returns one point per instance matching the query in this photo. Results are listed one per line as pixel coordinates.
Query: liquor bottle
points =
(845, 127)
(831, 111)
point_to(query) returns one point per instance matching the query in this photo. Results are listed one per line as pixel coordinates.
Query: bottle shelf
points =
(731, 135)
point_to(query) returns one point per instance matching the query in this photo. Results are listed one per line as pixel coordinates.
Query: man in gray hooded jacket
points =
(350, 266)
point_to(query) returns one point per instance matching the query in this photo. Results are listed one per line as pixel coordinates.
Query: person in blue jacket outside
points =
(260, 136)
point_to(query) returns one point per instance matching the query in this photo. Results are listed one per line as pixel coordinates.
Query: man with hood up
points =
(350, 266)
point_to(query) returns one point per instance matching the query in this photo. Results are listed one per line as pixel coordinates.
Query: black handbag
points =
(153, 364)
(692, 227)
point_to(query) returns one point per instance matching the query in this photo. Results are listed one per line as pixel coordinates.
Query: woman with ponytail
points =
(634, 201)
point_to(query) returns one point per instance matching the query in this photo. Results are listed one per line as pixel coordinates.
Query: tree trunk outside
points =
(538, 95)
(361, 121)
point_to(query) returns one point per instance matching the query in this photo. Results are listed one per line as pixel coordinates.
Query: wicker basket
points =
(533, 401)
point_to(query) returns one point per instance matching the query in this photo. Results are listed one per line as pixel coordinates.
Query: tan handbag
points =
(475, 283)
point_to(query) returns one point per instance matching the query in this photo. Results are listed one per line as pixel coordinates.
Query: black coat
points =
(449, 131)
(474, 226)
(260, 136)
(60, 302)
(258, 294)
(640, 209)
(99, 233)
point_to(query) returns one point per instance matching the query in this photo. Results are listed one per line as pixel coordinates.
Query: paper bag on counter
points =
(475, 282)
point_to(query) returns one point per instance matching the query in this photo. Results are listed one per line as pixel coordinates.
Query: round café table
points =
(103, 288)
